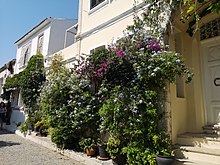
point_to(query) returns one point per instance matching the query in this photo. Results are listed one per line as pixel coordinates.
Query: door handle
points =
(217, 81)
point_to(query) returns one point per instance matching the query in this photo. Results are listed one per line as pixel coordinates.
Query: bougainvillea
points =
(130, 77)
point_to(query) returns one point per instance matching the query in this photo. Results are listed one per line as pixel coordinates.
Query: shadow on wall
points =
(17, 116)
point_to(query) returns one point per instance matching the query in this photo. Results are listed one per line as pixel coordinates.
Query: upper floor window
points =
(94, 3)
(40, 43)
(97, 49)
(25, 54)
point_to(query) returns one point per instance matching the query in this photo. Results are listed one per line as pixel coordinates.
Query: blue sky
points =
(17, 17)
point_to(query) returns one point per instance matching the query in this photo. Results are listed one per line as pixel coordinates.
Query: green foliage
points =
(13, 82)
(191, 13)
(87, 143)
(23, 128)
(113, 147)
(28, 124)
(119, 90)
(54, 102)
(31, 81)
(69, 105)
(137, 71)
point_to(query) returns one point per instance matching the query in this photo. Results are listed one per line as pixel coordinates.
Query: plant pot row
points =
(103, 155)
(121, 159)
(101, 152)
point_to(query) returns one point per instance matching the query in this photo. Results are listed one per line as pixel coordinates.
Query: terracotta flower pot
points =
(90, 152)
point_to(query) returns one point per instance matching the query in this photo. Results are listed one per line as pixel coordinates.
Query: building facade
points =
(6, 71)
(193, 105)
(47, 37)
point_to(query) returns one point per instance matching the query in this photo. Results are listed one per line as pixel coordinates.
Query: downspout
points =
(78, 37)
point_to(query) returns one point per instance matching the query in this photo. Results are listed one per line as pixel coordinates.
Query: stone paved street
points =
(15, 150)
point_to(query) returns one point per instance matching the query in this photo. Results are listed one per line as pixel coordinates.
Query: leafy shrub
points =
(69, 105)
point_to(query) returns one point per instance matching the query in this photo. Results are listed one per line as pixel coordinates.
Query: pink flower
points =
(100, 72)
(120, 53)
(154, 45)
(83, 66)
(78, 70)
(104, 64)
(138, 45)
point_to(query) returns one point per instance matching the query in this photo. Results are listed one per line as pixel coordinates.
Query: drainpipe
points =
(79, 26)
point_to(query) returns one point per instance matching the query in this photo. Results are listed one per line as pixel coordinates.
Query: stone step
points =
(212, 129)
(194, 162)
(198, 147)
(200, 140)
(199, 154)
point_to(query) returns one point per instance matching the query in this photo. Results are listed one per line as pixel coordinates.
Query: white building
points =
(48, 37)
(194, 107)
(6, 71)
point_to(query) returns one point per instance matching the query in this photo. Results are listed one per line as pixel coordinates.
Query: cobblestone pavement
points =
(15, 150)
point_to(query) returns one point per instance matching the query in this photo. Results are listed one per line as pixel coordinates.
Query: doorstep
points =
(46, 142)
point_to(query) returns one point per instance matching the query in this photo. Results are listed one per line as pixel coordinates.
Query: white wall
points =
(57, 34)
(105, 23)
(34, 42)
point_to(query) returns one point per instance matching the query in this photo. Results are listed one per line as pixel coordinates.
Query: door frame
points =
(204, 64)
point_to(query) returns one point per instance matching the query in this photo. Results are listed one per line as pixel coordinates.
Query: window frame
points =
(98, 5)
(25, 54)
(97, 48)
(40, 42)
(97, 2)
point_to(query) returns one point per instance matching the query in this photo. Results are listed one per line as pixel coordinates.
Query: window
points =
(180, 85)
(97, 48)
(94, 3)
(25, 54)
(40, 43)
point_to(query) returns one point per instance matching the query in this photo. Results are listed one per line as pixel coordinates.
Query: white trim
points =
(96, 46)
(205, 79)
(210, 41)
(99, 6)
(72, 59)
(111, 21)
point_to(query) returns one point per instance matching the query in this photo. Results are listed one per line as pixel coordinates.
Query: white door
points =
(211, 65)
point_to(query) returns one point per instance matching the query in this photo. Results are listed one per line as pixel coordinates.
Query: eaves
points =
(34, 30)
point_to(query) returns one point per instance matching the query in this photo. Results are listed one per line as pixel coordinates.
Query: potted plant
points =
(114, 150)
(23, 128)
(103, 154)
(165, 159)
(165, 155)
(88, 145)
(102, 145)
(38, 125)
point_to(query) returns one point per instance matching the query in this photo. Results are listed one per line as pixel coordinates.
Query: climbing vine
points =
(191, 13)
(29, 82)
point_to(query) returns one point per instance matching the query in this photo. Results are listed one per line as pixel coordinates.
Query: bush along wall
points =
(70, 106)
(118, 91)
(134, 76)
(29, 83)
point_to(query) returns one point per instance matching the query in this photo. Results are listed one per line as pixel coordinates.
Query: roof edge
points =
(46, 19)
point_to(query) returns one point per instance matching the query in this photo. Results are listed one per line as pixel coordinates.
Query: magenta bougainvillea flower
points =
(154, 45)
(102, 69)
(120, 53)
(99, 72)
